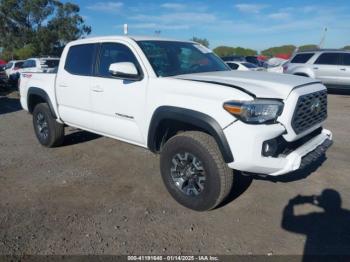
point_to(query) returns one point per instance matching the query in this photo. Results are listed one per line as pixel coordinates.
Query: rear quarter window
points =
(301, 58)
(80, 59)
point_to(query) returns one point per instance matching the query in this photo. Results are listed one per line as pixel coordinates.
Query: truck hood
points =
(257, 84)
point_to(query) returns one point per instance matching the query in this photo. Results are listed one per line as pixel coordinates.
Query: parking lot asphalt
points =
(96, 195)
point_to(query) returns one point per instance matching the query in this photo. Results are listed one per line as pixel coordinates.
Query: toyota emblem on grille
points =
(315, 106)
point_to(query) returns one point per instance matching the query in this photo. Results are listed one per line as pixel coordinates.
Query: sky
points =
(251, 24)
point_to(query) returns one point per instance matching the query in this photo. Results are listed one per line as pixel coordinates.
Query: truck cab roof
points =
(127, 37)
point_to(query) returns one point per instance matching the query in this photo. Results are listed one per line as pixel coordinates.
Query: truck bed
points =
(44, 81)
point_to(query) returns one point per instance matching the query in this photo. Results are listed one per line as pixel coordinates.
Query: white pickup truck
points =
(179, 99)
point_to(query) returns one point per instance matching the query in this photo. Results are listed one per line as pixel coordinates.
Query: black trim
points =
(41, 93)
(193, 118)
(307, 84)
(284, 147)
(222, 84)
(315, 154)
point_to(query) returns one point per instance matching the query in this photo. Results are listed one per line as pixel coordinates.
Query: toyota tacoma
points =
(179, 99)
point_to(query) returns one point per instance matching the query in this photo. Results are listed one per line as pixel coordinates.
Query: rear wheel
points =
(49, 132)
(194, 171)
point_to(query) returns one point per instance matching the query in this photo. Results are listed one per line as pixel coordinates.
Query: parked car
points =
(243, 66)
(180, 100)
(3, 76)
(250, 59)
(233, 58)
(12, 69)
(332, 67)
(275, 65)
(40, 65)
(254, 60)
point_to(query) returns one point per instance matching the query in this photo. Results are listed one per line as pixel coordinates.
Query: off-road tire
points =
(219, 177)
(55, 130)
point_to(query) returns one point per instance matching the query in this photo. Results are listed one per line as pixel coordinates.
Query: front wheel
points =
(49, 132)
(194, 172)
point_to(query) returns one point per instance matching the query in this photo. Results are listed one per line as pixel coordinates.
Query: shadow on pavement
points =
(9, 105)
(240, 184)
(327, 231)
(78, 137)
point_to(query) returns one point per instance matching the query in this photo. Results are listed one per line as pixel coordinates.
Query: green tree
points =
(223, 51)
(202, 41)
(25, 52)
(39, 27)
(285, 49)
(347, 47)
(245, 51)
(308, 47)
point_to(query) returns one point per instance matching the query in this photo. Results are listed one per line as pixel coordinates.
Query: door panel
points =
(117, 109)
(73, 97)
(344, 78)
(73, 86)
(328, 74)
(117, 104)
(326, 68)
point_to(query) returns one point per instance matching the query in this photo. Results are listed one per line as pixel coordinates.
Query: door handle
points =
(315, 68)
(97, 89)
(343, 69)
(63, 85)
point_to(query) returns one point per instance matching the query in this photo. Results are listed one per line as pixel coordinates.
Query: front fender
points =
(305, 71)
(194, 118)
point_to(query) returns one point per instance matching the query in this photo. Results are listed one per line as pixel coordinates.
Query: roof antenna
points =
(125, 29)
(320, 46)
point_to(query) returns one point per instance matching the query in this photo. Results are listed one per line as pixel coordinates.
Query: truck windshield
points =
(170, 58)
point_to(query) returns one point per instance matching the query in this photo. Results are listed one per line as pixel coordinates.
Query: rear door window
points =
(25, 64)
(32, 63)
(346, 59)
(81, 59)
(29, 64)
(328, 59)
(302, 58)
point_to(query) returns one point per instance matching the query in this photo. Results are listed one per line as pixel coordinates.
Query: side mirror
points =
(124, 70)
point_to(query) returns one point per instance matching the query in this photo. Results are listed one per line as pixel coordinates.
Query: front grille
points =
(310, 110)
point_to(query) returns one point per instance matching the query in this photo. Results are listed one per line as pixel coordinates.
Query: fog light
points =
(269, 147)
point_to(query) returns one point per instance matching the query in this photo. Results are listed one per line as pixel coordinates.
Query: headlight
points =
(255, 112)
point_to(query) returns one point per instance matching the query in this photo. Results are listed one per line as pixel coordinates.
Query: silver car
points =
(332, 67)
